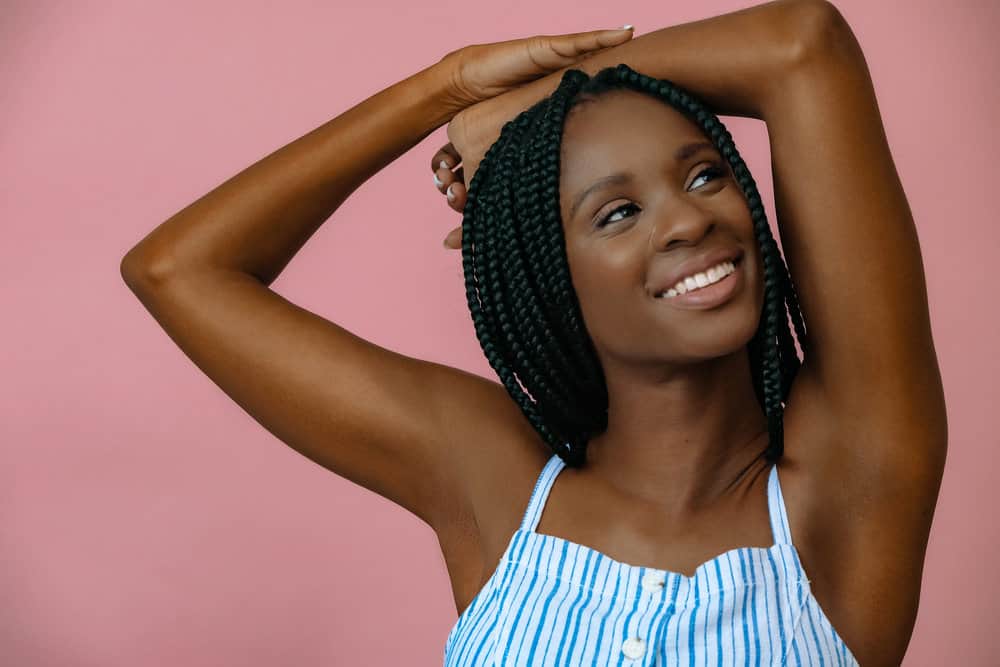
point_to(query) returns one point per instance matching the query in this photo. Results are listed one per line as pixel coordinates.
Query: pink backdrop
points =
(145, 519)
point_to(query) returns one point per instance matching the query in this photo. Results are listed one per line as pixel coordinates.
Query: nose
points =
(680, 221)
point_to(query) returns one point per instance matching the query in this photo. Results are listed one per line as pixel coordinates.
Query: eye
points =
(604, 221)
(714, 170)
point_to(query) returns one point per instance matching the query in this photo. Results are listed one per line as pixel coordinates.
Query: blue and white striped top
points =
(551, 601)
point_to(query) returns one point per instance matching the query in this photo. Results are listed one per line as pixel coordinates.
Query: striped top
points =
(551, 601)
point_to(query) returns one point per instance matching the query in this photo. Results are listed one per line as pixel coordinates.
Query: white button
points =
(634, 647)
(653, 581)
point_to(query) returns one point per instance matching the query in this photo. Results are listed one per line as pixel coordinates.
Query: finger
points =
(448, 154)
(456, 194)
(574, 45)
(445, 177)
(454, 239)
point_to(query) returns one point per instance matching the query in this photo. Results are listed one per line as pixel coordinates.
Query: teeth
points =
(702, 279)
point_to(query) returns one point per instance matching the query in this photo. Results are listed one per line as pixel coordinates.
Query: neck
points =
(679, 437)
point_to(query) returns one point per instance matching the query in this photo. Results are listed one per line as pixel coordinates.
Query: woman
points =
(718, 502)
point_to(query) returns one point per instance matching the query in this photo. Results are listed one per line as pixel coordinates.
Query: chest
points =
(845, 613)
(552, 601)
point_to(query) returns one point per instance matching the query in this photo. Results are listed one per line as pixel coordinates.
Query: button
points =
(653, 581)
(633, 647)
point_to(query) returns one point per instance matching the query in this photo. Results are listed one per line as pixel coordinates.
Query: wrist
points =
(437, 84)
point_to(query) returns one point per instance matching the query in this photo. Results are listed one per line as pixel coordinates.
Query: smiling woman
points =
(577, 277)
(565, 297)
(627, 290)
(621, 495)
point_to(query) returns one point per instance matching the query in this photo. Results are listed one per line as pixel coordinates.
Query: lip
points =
(710, 296)
(693, 265)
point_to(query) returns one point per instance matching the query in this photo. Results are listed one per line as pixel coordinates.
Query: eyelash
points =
(714, 169)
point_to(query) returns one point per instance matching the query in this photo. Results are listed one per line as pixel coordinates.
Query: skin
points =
(683, 420)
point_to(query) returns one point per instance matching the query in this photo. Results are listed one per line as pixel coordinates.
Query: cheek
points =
(602, 264)
(606, 292)
(596, 297)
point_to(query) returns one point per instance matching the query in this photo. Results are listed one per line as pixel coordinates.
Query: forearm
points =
(257, 220)
(730, 61)
(734, 62)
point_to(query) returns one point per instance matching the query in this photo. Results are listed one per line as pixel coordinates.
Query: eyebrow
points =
(621, 177)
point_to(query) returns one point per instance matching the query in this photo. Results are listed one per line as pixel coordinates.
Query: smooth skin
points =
(676, 479)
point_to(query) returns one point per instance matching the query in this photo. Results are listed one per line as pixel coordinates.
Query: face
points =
(628, 236)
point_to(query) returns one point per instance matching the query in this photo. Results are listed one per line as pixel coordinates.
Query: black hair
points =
(517, 280)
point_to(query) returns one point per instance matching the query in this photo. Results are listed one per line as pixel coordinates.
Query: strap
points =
(775, 500)
(776, 507)
(541, 493)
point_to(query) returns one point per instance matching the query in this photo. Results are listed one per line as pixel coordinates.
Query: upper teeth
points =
(712, 275)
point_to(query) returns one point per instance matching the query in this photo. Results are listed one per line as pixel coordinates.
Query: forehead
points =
(618, 130)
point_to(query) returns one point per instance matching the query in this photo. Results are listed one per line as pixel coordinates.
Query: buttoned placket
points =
(652, 582)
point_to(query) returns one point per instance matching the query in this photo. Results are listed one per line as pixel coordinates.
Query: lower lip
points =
(711, 296)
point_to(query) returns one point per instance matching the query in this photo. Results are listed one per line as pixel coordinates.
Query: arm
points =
(852, 250)
(234, 228)
(731, 61)
(383, 420)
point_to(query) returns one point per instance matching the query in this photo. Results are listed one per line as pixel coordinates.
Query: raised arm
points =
(360, 410)
(407, 429)
(396, 425)
(852, 250)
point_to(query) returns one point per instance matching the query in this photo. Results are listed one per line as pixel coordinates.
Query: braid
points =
(517, 280)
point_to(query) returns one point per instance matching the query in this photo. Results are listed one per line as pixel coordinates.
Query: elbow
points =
(131, 269)
(821, 33)
(140, 271)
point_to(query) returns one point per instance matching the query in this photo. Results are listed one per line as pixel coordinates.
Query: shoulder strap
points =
(776, 507)
(541, 493)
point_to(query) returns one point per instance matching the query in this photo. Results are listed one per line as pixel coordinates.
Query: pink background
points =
(145, 519)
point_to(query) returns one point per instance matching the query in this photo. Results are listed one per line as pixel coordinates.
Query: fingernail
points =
(627, 26)
(451, 195)
(437, 181)
(444, 164)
